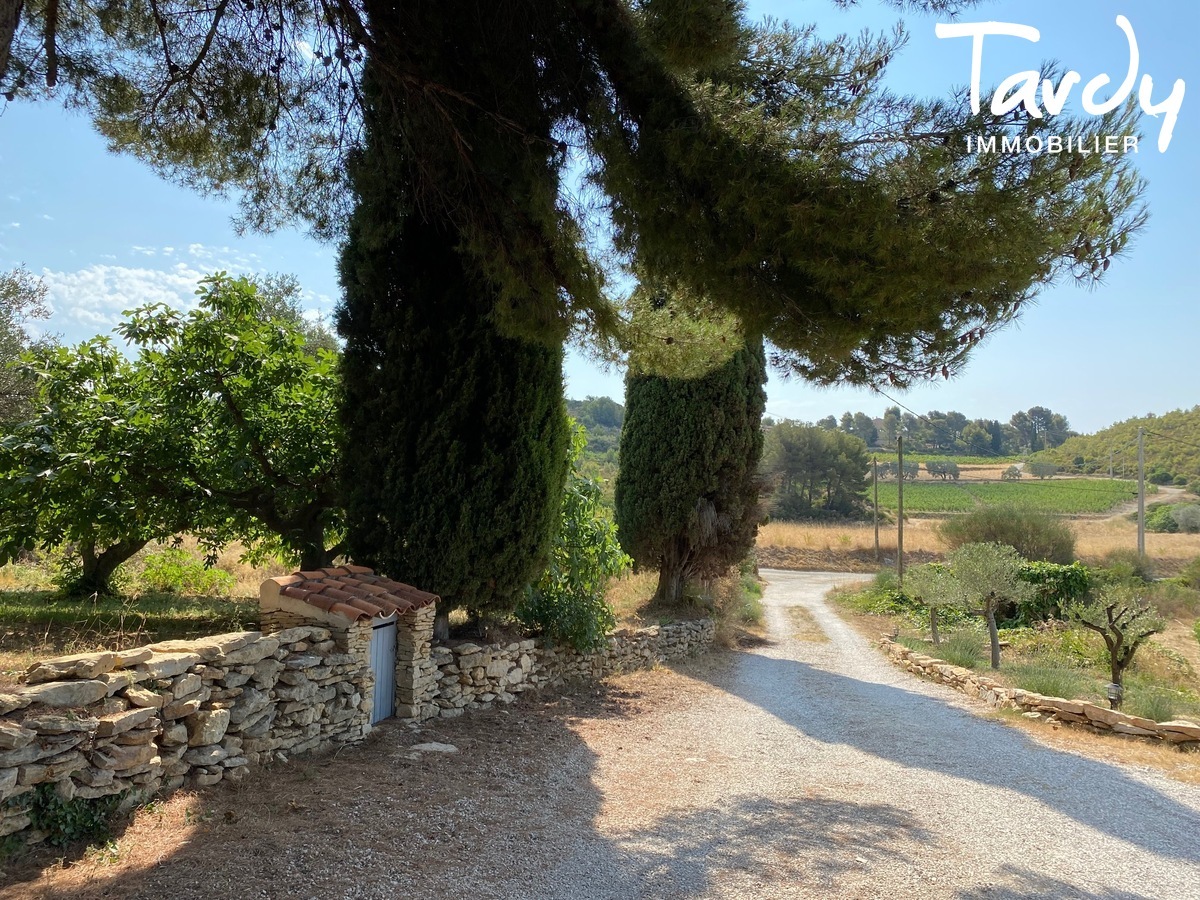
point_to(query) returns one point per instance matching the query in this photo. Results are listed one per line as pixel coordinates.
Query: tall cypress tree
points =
(687, 492)
(456, 433)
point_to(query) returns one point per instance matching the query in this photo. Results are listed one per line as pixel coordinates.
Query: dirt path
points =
(800, 768)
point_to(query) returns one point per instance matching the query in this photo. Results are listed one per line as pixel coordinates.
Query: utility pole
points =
(900, 510)
(1110, 464)
(1141, 492)
(875, 513)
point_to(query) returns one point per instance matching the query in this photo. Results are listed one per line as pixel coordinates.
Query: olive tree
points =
(988, 575)
(936, 587)
(1123, 617)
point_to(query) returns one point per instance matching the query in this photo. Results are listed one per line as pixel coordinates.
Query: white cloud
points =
(225, 258)
(90, 301)
(14, 224)
(144, 251)
(47, 218)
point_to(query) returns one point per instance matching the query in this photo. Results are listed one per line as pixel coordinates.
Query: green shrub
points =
(1187, 517)
(1190, 576)
(962, 648)
(1175, 601)
(65, 821)
(1058, 644)
(1036, 536)
(1041, 469)
(1126, 565)
(1161, 704)
(1055, 585)
(567, 602)
(175, 571)
(1160, 477)
(1196, 631)
(741, 601)
(1160, 518)
(1052, 680)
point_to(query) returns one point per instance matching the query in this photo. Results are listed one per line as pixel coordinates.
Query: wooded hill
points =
(1172, 447)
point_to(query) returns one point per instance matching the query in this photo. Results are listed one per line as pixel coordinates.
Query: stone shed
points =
(385, 624)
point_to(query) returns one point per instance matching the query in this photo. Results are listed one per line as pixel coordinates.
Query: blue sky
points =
(106, 234)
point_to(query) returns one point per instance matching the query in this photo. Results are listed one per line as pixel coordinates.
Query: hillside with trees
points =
(1172, 448)
(951, 433)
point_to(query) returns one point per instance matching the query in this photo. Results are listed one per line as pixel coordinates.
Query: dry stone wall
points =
(180, 713)
(1073, 712)
(469, 676)
(133, 723)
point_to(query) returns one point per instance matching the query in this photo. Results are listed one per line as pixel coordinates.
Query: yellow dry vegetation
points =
(1095, 539)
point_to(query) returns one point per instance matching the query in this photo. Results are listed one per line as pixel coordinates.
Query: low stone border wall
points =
(192, 713)
(1072, 712)
(470, 676)
(133, 723)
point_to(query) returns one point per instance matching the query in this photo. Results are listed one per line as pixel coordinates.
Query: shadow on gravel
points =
(492, 820)
(810, 840)
(917, 731)
(1026, 885)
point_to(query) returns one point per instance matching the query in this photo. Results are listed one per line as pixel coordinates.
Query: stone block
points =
(207, 727)
(80, 665)
(180, 709)
(14, 736)
(117, 723)
(119, 757)
(205, 756)
(139, 696)
(168, 665)
(64, 693)
(187, 684)
(252, 653)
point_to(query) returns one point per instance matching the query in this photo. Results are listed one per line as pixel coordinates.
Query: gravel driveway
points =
(818, 769)
(800, 768)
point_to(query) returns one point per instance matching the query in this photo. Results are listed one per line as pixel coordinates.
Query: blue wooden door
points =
(383, 666)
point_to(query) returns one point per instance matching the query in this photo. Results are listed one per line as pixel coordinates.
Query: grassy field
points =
(163, 594)
(833, 546)
(1067, 496)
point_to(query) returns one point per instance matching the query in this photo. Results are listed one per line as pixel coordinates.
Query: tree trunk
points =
(1117, 670)
(672, 573)
(994, 634)
(441, 625)
(313, 555)
(670, 584)
(10, 19)
(99, 568)
(937, 641)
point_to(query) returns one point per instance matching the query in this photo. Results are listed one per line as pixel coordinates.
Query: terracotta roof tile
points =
(348, 611)
(369, 608)
(355, 592)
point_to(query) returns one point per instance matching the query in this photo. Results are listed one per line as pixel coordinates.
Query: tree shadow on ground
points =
(1023, 884)
(813, 841)
(376, 820)
(917, 731)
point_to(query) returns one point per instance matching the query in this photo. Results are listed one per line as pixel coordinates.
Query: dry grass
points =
(805, 627)
(737, 613)
(853, 545)
(1181, 765)
(919, 535)
(1096, 538)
